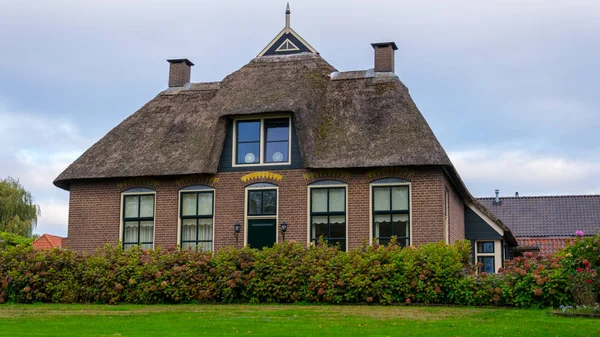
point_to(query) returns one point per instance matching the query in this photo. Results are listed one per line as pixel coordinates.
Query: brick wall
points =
(95, 209)
(457, 213)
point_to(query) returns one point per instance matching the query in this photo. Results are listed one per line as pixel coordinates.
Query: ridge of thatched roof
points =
(342, 119)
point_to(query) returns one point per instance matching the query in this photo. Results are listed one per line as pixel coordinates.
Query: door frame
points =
(254, 217)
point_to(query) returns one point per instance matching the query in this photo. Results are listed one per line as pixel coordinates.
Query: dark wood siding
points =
(477, 229)
(227, 153)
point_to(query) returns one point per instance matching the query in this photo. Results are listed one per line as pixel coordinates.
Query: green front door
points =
(262, 233)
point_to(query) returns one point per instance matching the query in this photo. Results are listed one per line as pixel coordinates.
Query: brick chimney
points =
(180, 71)
(384, 56)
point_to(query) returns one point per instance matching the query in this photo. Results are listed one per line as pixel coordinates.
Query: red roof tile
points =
(47, 242)
(546, 245)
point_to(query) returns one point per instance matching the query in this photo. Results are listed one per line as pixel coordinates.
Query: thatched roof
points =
(343, 120)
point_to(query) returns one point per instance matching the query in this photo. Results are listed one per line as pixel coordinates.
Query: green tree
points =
(18, 212)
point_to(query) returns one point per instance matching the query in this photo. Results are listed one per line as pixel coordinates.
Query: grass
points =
(283, 320)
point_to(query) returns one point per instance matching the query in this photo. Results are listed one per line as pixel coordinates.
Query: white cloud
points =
(36, 149)
(527, 172)
(54, 217)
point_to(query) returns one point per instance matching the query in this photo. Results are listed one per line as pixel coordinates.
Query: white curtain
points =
(146, 206)
(131, 231)
(188, 230)
(319, 200)
(131, 207)
(336, 199)
(400, 224)
(188, 204)
(205, 203)
(382, 198)
(400, 198)
(147, 233)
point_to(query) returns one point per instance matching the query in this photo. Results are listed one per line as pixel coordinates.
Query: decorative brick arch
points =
(329, 174)
(390, 172)
(261, 177)
(206, 180)
(138, 183)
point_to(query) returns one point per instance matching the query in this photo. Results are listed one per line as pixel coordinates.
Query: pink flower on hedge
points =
(579, 233)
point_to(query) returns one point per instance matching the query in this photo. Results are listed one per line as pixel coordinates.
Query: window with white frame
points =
(138, 218)
(197, 219)
(391, 213)
(486, 255)
(263, 141)
(328, 215)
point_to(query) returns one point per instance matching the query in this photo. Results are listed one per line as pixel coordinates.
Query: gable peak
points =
(287, 41)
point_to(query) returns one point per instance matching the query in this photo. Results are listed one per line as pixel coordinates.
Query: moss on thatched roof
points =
(343, 120)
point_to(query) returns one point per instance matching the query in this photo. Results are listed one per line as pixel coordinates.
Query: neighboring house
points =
(546, 223)
(345, 156)
(48, 241)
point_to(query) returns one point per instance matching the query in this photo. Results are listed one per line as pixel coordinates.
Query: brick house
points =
(545, 224)
(286, 146)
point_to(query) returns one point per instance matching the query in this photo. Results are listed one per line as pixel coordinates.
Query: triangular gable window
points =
(287, 45)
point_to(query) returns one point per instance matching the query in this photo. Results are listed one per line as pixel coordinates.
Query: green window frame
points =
(325, 221)
(138, 220)
(397, 215)
(257, 202)
(196, 215)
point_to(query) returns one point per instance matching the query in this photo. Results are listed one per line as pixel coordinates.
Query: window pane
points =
(188, 204)
(341, 243)
(383, 226)
(188, 245)
(205, 203)
(188, 230)
(248, 131)
(254, 202)
(130, 233)
(319, 200)
(146, 206)
(146, 246)
(337, 226)
(488, 264)
(320, 227)
(248, 153)
(277, 152)
(400, 225)
(277, 129)
(205, 246)
(400, 198)
(205, 228)
(269, 202)
(382, 198)
(147, 231)
(485, 247)
(337, 199)
(131, 207)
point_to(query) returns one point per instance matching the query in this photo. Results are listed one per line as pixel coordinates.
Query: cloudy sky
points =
(510, 88)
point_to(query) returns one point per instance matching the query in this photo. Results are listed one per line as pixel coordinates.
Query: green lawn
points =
(283, 320)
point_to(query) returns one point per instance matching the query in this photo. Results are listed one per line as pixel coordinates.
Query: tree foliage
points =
(18, 212)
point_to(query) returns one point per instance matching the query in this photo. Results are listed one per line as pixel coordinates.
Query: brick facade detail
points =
(95, 209)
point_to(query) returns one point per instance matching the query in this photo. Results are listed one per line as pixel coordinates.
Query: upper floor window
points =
(264, 141)
(391, 214)
(138, 220)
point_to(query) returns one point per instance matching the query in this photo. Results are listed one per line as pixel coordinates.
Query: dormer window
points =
(263, 141)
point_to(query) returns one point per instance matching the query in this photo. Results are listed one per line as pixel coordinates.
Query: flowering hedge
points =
(288, 272)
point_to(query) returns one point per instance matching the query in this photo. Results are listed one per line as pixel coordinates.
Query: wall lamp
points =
(236, 230)
(283, 228)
